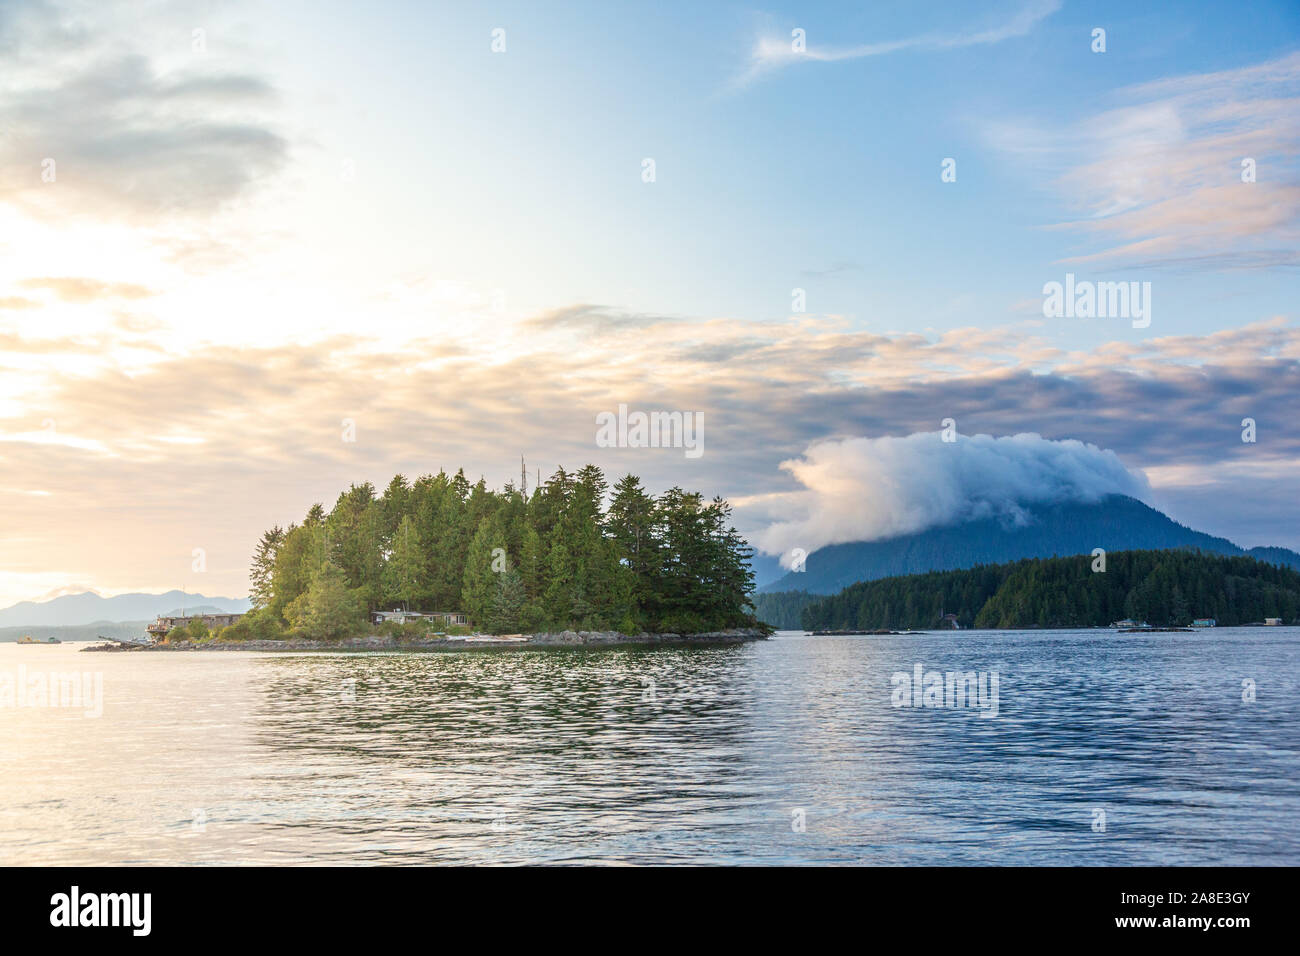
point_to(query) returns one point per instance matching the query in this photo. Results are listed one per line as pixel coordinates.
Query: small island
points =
(440, 564)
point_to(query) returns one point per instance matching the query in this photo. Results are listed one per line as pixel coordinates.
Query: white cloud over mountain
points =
(864, 489)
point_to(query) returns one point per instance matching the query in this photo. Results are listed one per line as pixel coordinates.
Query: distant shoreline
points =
(471, 643)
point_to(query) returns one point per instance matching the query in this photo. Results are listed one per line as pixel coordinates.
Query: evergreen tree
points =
(509, 604)
(259, 576)
(296, 560)
(480, 584)
(560, 593)
(329, 609)
(630, 524)
(405, 569)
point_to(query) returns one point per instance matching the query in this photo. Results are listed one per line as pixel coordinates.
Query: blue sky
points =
(267, 219)
(816, 175)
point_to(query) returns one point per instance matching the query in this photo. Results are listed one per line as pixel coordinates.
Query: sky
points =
(251, 254)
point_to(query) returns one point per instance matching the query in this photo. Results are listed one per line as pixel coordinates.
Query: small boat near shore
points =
(1128, 625)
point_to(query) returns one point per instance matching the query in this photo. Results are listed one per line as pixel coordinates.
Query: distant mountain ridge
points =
(1116, 523)
(72, 610)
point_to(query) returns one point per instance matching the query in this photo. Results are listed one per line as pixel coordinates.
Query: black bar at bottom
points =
(304, 905)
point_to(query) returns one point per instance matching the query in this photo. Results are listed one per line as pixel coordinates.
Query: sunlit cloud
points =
(1192, 172)
(226, 441)
(81, 290)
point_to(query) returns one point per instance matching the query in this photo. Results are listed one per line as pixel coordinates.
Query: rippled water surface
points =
(785, 751)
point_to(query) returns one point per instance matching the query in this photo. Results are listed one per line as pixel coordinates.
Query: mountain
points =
(766, 567)
(1116, 523)
(88, 608)
(132, 630)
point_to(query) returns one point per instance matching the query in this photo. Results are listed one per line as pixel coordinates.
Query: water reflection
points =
(512, 755)
(787, 751)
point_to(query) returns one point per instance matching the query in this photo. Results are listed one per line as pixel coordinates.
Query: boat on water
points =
(1128, 624)
(28, 639)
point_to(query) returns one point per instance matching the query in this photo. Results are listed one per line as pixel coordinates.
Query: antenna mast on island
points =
(523, 478)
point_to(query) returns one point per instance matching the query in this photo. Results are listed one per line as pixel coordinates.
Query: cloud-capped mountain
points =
(1115, 523)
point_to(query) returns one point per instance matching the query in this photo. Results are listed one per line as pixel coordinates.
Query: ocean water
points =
(1105, 749)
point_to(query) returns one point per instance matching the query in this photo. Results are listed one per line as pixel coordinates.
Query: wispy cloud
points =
(773, 52)
(1158, 180)
(79, 289)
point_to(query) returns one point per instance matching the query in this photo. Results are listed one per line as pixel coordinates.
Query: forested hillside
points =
(552, 560)
(784, 609)
(1160, 587)
(1116, 523)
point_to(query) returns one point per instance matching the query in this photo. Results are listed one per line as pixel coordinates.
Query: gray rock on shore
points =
(375, 642)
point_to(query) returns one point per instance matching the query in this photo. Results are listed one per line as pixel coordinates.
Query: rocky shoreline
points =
(471, 643)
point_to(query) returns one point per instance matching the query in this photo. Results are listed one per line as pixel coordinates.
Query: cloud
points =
(772, 52)
(137, 125)
(206, 448)
(593, 318)
(865, 489)
(1156, 182)
(82, 290)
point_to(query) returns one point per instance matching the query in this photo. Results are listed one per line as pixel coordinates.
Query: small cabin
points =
(1272, 622)
(443, 618)
(215, 622)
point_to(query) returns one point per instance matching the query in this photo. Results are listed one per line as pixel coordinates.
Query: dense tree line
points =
(1162, 588)
(575, 554)
(784, 609)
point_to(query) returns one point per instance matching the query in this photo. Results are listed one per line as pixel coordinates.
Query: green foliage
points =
(328, 608)
(407, 629)
(783, 609)
(479, 589)
(552, 561)
(405, 573)
(263, 567)
(507, 612)
(1163, 588)
(257, 625)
